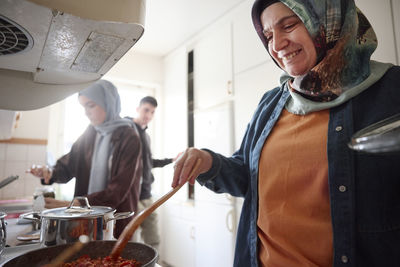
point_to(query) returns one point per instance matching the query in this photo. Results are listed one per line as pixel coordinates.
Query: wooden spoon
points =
(69, 252)
(135, 223)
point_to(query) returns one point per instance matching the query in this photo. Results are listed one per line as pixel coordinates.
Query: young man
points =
(145, 111)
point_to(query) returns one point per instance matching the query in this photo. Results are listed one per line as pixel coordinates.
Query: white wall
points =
(33, 124)
(138, 67)
(16, 158)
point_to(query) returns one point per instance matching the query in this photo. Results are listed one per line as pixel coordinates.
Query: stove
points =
(11, 252)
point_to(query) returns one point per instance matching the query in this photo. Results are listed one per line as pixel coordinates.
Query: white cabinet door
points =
(213, 129)
(178, 240)
(250, 86)
(213, 67)
(379, 14)
(173, 112)
(215, 235)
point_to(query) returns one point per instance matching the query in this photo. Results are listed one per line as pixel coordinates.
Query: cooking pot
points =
(3, 233)
(145, 254)
(65, 225)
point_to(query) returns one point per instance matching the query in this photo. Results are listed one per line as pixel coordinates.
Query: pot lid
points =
(380, 137)
(76, 212)
(72, 212)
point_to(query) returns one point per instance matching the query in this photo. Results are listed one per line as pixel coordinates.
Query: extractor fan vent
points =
(13, 38)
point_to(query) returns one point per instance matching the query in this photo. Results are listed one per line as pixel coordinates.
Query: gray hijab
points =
(105, 95)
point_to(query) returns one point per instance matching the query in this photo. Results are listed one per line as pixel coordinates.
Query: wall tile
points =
(37, 154)
(16, 152)
(31, 183)
(3, 151)
(16, 189)
(2, 169)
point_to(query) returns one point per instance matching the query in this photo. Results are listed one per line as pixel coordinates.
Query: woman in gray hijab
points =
(105, 160)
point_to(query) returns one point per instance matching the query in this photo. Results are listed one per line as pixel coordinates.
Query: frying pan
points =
(145, 254)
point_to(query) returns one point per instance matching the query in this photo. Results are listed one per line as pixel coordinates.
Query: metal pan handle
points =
(31, 216)
(121, 215)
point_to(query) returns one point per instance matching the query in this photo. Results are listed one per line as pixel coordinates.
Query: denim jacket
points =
(364, 188)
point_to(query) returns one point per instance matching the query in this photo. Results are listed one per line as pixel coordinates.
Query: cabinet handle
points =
(229, 87)
(192, 232)
(229, 218)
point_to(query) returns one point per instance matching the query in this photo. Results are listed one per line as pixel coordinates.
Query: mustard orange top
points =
(294, 222)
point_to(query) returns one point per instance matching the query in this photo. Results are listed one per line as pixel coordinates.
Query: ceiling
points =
(169, 23)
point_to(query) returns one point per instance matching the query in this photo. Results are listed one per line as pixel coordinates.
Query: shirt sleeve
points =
(158, 163)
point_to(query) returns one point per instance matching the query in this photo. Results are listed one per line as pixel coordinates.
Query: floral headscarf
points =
(344, 41)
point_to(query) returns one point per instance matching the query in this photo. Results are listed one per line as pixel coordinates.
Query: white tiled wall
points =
(15, 159)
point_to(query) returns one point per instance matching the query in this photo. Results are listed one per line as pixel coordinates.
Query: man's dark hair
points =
(149, 99)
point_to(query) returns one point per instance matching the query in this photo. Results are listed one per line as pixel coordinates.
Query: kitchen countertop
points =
(15, 229)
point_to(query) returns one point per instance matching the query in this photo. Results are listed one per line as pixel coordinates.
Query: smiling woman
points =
(289, 42)
(308, 199)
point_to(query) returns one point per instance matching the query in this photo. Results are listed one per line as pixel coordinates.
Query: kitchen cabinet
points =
(213, 129)
(178, 238)
(176, 216)
(213, 67)
(215, 234)
(250, 86)
(215, 213)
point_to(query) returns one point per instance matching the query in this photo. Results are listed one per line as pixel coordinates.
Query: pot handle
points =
(121, 215)
(83, 201)
(32, 216)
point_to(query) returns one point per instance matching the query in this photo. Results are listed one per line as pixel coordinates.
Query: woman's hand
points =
(43, 172)
(186, 162)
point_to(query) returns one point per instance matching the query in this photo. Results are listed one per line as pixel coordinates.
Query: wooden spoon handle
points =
(69, 252)
(137, 221)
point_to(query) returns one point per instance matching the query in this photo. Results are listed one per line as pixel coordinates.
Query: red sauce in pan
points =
(86, 261)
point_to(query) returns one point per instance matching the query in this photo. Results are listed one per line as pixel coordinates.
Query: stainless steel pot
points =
(65, 225)
(3, 232)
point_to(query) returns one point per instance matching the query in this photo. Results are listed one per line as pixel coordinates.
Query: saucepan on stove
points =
(65, 225)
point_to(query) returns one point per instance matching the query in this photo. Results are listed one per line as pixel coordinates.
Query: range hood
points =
(50, 49)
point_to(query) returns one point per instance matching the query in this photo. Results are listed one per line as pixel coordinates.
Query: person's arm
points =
(158, 163)
(66, 166)
(218, 173)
